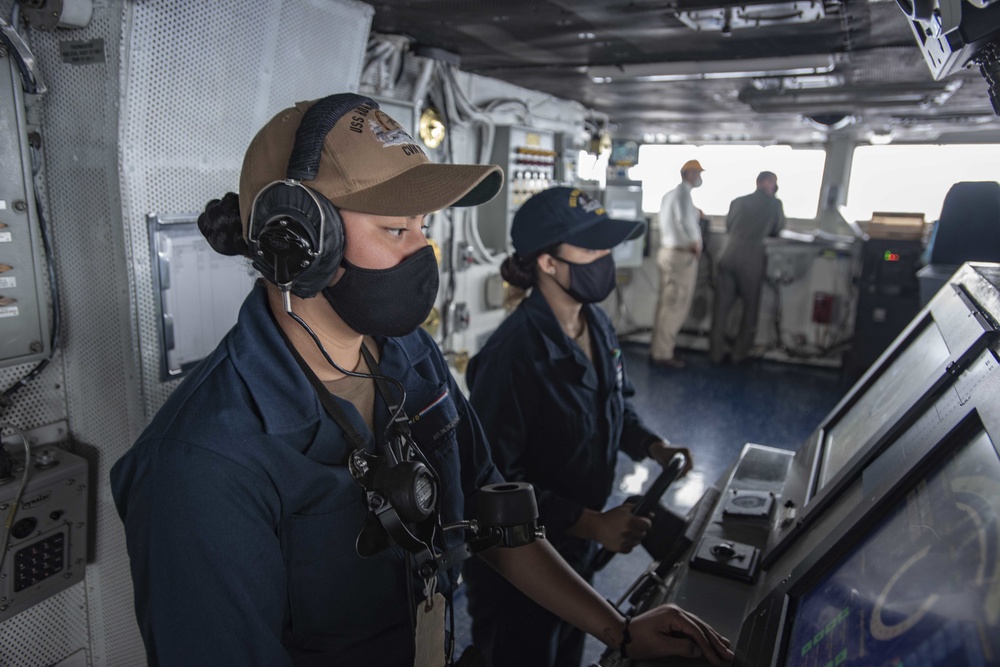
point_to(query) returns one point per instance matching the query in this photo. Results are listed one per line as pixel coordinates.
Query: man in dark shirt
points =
(751, 219)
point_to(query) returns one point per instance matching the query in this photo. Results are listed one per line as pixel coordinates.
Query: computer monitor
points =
(924, 362)
(921, 588)
(913, 576)
(899, 384)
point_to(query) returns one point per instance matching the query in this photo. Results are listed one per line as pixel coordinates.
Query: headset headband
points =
(317, 122)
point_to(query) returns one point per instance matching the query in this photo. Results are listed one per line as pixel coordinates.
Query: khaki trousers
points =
(678, 276)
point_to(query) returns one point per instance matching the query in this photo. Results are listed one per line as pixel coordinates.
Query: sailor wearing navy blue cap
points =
(552, 392)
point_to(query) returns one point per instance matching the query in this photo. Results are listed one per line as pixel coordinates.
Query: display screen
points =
(893, 389)
(923, 587)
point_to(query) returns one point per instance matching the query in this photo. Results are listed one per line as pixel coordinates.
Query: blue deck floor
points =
(714, 411)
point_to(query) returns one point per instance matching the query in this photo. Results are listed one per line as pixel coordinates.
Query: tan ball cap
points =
(692, 165)
(368, 164)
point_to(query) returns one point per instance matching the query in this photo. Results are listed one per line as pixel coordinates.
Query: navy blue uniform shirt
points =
(553, 417)
(241, 516)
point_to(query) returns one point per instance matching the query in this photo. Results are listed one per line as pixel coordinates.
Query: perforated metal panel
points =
(154, 119)
(39, 402)
(47, 632)
(202, 80)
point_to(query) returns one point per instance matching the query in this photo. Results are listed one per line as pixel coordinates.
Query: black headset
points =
(295, 234)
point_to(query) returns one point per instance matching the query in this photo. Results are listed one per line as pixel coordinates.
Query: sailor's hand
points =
(620, 531)
(662, 451)
(668, 630)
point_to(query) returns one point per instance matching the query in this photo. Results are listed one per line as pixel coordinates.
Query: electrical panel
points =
(888, 298)
(24, 324)
(568, 162)
(528, 158)
(46, 550)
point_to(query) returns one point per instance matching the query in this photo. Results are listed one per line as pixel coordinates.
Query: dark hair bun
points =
(519, 271)
(221, 225)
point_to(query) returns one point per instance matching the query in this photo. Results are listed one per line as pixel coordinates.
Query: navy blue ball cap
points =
(567, 215)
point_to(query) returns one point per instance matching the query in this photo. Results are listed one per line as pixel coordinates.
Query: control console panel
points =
(46, 549)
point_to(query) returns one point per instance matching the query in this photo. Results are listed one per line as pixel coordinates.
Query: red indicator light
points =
(890, 256)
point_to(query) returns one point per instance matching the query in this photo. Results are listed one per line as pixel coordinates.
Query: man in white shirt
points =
(680, 250)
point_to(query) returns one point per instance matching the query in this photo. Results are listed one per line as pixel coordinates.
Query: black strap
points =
(326, 398)
(383, 388)
(398, 438)
(400, 420)
(626, 637)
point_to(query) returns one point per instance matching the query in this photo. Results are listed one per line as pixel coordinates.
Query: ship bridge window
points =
(914, 178)
(731, 172)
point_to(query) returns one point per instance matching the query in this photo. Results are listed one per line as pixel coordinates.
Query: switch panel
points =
(24, 321)
(748, 505)
(528, 158)
(727, 558)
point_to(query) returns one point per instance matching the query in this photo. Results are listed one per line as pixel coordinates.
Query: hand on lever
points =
(662, 451)
(619, 530)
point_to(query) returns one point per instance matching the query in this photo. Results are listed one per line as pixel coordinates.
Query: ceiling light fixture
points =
(728, 19)
(923, 95)
(714, 69)
(881, 138)
(808, 82)
(432, 128)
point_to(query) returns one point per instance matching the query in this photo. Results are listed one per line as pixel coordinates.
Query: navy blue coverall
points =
(241, 516)
(557, 420)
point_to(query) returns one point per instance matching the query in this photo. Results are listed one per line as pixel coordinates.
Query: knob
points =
(723, 550)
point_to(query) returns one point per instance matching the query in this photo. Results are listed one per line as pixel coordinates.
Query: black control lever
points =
(648, 502)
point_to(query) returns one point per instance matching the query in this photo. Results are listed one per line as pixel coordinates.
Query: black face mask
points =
(590, 283)
(386, 302)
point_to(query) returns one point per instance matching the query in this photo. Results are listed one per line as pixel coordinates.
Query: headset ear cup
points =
(296, 236)
(319, 275)
(334, 242)
(282, 251)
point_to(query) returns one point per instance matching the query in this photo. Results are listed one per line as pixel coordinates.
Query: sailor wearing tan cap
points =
(286, 505)
(680, 250)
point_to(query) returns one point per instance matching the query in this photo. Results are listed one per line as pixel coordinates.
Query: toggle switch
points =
(726, 558)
